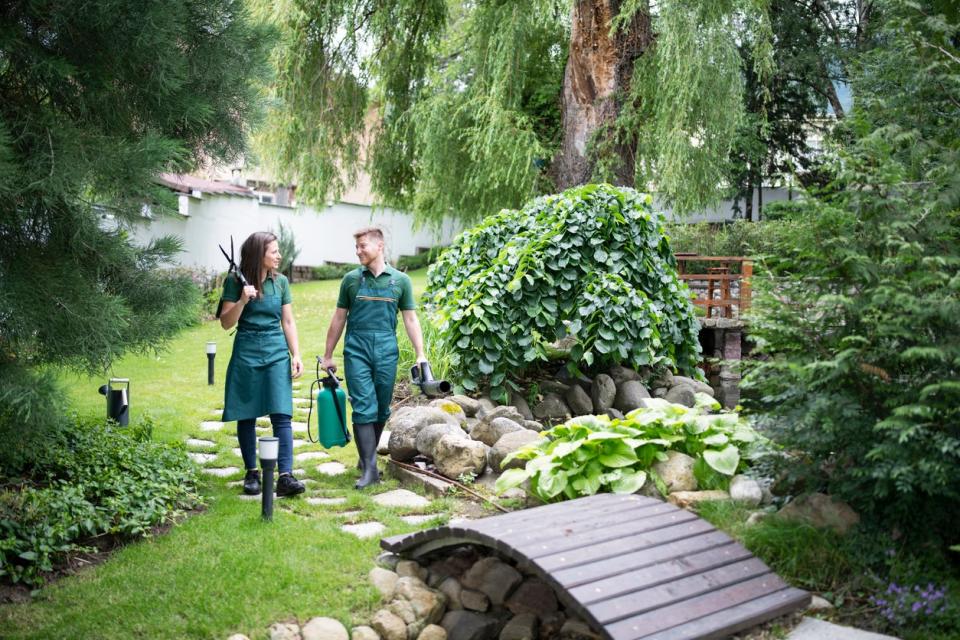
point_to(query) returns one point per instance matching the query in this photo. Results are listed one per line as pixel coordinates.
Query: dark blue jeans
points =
(247, 435)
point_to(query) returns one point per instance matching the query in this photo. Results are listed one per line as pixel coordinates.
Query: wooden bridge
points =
(630, 566)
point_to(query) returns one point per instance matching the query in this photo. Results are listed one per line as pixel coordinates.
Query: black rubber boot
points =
(287, 485)
(251, 482)
(366, 438)
(378, 426)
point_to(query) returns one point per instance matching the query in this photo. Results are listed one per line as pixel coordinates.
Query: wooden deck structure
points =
(724, 290)
(630, 566)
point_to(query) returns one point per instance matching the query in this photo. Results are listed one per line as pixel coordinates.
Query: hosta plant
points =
(591, 454)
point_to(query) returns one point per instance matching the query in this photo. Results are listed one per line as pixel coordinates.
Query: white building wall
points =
(724, 210)
(325, 236)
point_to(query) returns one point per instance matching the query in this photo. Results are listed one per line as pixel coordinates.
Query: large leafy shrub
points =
(859, 328)
(592, 263)
(589, 454)
(90, 480)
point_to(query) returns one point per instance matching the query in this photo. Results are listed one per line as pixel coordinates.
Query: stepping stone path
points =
(299, 427)
(237, 452)
(326, 502)
(200, 444)
(301, 401)
(211, 425)
(298, 473)
(256, 498)
(364, 529)
(401, 498)
(350, 514)
(331, 468)
(221, 472)
(311, 455)
(216, 412)
(201, 458)
(298, 443)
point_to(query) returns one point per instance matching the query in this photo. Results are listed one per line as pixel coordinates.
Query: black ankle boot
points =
(287, 485)
(251, 482)
(366, 438)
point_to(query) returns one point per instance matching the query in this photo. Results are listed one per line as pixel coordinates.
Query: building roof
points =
(185, 183)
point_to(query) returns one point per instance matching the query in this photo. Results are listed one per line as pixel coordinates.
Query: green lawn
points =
(222, 571)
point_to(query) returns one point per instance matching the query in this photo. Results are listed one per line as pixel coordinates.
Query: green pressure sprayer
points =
(331, 404)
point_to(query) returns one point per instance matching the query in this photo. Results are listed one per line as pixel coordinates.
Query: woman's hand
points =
(296, 364)
(248, 294)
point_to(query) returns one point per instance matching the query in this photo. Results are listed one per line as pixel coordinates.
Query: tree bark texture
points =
(596, 80)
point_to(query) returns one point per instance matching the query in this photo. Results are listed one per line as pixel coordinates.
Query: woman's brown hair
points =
(252, 251)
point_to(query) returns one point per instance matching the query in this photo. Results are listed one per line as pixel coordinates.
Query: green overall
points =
(370, 350)
(258, 376)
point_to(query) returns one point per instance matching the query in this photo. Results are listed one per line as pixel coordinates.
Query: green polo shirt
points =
(402, 287)
(275, 284)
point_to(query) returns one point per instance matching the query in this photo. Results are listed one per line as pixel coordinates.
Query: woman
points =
(265, 352)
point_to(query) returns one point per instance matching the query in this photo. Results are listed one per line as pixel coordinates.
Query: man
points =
(369, 300)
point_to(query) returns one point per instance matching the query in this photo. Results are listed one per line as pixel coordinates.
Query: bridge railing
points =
(724, 289)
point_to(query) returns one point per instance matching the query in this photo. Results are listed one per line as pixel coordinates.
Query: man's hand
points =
(328, 364)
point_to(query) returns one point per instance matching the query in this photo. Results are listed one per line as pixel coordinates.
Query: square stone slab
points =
(201, 458)
(211, 425)
(419, 519)
(403, 498)
(331, 468)
(326, 502)
(237, 452)
(301, 401)
(221, 472)
(311, 455)
(299, 427)
(364, 529)
(200, 444)
(299, 443)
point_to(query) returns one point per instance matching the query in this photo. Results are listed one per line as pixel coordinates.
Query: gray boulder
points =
(450, 587)
(467, 625)
(603, 392)
(427, 438)
(659, 392)
(521, 627)
(615, 414)
(553, 386)
(389, 625)
(681, 394)
(579, 401)
(621, 374)
(489, 432)
(469, 405)
(533, 596)
(744, 489)
(486, 404)
(507, 444)
(520, 403)
(428, 605)
(405, 426)
(551, 408)
(533, 425)
(363, 632)
(630, 395)
(821, 511)
(451, 407)
(492, 577)
(696, 385)
(504, 411)
(455, 456)
(324, 629)
(677, 472)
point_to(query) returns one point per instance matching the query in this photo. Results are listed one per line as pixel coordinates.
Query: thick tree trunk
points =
(598, 74)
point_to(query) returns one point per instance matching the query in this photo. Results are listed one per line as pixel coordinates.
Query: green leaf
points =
(724, 461)
(511, 478)
(629, 482)
(617, 454)
(551, 482)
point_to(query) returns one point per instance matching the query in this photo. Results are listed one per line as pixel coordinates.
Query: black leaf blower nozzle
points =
(422, 376)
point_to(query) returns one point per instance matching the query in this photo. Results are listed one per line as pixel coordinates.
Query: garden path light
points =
(269, 449)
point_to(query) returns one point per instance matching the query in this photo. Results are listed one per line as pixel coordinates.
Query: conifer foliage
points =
(95, 100)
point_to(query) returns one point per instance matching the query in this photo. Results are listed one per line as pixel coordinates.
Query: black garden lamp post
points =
(269, 448)
(211, 356)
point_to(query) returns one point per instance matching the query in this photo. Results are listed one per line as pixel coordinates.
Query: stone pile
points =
(466, 594)
(462, 436)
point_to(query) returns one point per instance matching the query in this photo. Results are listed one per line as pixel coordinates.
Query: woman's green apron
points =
(258, 376)
(370, 350)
